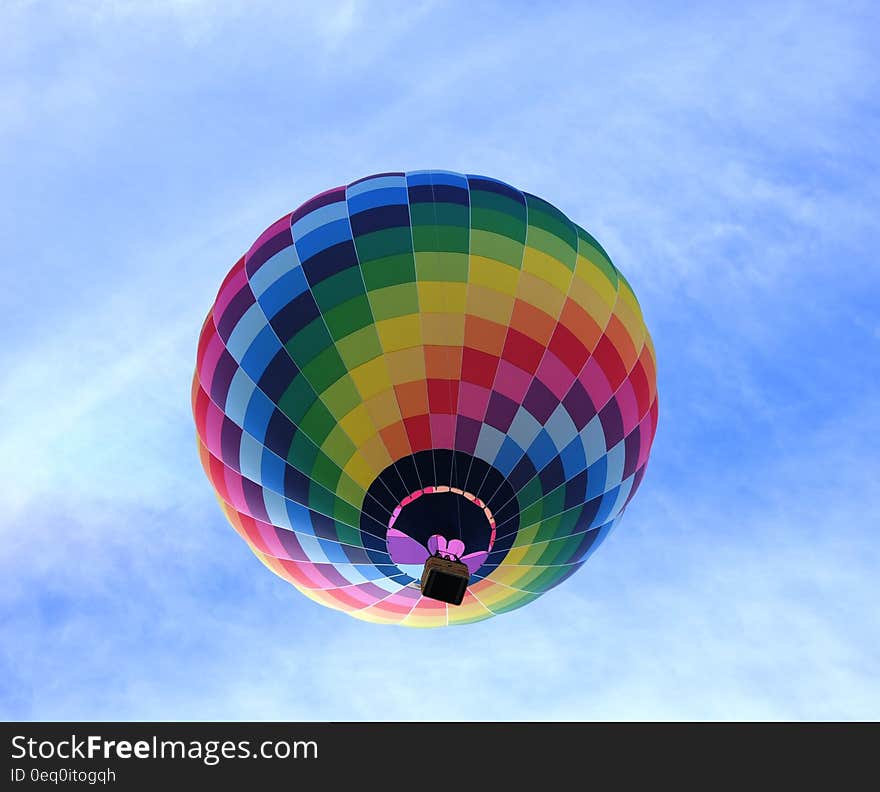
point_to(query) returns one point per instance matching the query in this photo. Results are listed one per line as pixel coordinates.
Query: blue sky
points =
(725, 155)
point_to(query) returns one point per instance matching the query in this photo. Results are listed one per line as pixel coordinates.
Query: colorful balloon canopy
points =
(420, 364)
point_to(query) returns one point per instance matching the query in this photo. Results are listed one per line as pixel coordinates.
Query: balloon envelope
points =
(422, 363)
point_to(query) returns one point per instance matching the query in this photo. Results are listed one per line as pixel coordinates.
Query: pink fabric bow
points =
(449, 549)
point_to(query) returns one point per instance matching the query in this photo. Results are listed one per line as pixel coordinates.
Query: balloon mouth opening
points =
(439, 503)
(441, 535)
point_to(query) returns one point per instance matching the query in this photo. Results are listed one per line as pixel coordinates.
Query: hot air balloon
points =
(424, 398)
